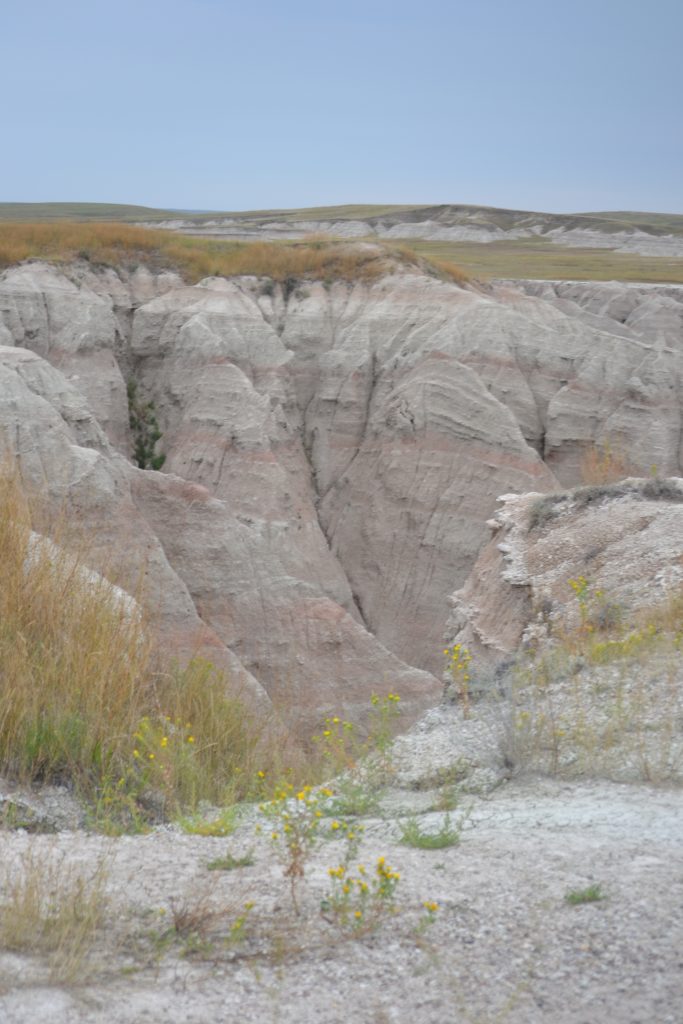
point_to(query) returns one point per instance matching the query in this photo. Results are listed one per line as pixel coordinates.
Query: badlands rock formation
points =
(624, 539)
(332, 451)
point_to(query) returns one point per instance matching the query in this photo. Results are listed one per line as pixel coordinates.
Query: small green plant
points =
(338, 745)
(383, 721)
(430, 911)
(145, 427)
(458, 660)
(296, 828)
(447, 798)
(591, 894)
(358, 901)
(341, 748)
(221, 823)
(231, 863)
(598, 614)
(362, 765)
(356, 795)
(448, 835)
(198, 926)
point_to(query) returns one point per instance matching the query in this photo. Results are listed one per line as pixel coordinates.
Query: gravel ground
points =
(505, 947)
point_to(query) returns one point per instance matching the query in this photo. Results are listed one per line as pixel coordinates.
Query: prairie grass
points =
(604, 697)
(128, 246)
(539, 259)
(53, 909)
(85, 699)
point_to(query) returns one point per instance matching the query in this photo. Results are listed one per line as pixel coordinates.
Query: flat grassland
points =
(536, 259)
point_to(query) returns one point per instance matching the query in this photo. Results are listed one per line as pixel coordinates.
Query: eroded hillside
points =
(332, 449)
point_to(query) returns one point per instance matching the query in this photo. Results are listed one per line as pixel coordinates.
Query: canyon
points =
(332, 449)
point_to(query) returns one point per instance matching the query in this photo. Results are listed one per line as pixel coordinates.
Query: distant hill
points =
(377, 215)
(486, 241)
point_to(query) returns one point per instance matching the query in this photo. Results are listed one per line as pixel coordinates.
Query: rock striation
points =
(332, 450)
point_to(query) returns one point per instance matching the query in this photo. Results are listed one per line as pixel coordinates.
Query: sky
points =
(555, 105)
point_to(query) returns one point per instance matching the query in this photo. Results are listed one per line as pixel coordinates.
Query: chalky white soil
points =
(506, 947)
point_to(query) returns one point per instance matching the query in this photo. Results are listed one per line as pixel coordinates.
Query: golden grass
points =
(52, 909)
(126, 246)
(604, 699)
(85, 699)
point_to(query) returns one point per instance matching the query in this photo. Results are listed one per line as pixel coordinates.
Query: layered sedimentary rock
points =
(620, 544)
(332, 450)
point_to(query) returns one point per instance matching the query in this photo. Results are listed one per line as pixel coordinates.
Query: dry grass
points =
(604, 698)
(83, 699)
(52, 909)
(604, 463)
(72, 657)
(126, 246)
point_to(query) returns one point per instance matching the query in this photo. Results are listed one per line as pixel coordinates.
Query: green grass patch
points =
(448, 835)
(591, 894)
(230, 863)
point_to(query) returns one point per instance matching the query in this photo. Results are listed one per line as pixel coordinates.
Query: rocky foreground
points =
(332, 450)
(505, 942)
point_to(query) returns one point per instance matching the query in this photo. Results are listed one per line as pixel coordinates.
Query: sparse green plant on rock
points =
(145, 427)
(231, 863)
(447, 835)
(591, 894)
(458, 660)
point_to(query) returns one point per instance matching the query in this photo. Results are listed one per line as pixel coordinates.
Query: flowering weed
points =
(458, 660)
(359, 900)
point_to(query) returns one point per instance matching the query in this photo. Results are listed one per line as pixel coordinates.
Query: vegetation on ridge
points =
(127, 246)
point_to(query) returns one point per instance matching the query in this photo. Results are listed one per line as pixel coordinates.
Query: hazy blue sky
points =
(213, 104)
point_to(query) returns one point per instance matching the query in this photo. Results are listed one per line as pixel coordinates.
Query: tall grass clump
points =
(85, 699)
(52, 909)
(72, 657)
(126, 246)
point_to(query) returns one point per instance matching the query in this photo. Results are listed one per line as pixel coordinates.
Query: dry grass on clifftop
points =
(126, 246)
